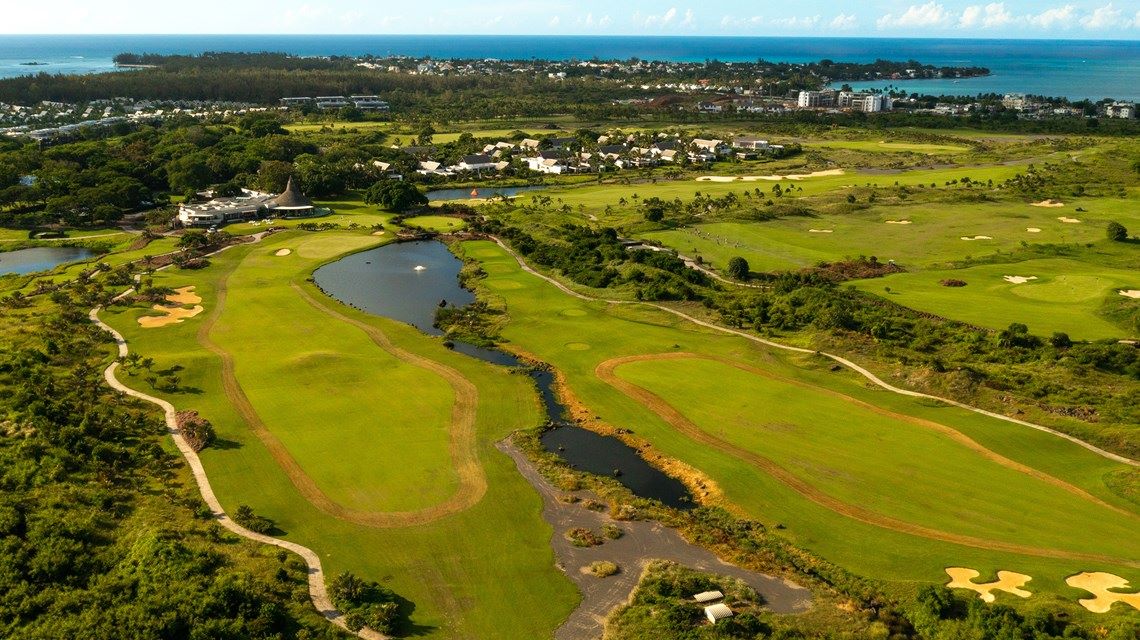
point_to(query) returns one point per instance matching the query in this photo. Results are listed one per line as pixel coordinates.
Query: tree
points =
(1116, 232)
(738, 268)
(1061, 340)
(395, 195)
(423, 138)
(655, 214)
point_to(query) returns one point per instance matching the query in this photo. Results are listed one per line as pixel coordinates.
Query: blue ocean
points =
(1071, 68)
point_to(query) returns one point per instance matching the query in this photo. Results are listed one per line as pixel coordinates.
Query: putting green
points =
(1066, 296)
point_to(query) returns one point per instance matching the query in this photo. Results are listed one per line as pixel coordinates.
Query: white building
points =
(717, 612)
(291, 203)
(816, 99)
(1123, 110)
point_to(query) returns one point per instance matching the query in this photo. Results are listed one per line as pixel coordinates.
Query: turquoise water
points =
(1071, 68)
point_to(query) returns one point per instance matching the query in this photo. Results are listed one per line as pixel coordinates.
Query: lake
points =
(36, 259)
(482, 192)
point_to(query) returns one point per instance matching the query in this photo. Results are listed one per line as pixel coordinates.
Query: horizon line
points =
(593, 35)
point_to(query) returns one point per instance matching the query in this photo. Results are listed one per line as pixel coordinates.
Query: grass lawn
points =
(889, 147)
(1066, 296)
(898, 467)
(370, 423)
(443, 224)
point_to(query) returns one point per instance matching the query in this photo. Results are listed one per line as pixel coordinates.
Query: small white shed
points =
(718, 611)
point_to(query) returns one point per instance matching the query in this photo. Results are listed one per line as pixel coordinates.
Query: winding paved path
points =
(317, 590)
(841, 360)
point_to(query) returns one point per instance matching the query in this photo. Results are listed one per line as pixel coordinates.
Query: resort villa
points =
(291, 203)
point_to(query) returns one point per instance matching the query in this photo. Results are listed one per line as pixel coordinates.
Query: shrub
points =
(245, 516)
(197, 431)
(738, 268)
(612, 531)
(603, 568)
(951, 282)
(1116, 232)
(583, 537)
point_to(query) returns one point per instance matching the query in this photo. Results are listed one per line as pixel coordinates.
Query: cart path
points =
(642, 542)
(606, 372)
(841, 360)
(318, 592)
(462, 445)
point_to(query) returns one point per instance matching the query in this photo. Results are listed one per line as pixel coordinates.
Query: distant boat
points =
(474, 193)
(420, 267)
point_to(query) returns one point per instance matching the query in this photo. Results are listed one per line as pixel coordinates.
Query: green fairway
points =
(442, 224)
(873, 461)
(321, 384)
(1066, 295)
(889, 147)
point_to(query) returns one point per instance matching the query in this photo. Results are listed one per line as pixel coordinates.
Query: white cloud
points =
(930, 14)
(1106, 17)
(996, 16)
(555, 21)
(970, 17)
(795, 22)
(591, 22)
(689, 22)
(843, 21)
(1062, 17)
(657, 21)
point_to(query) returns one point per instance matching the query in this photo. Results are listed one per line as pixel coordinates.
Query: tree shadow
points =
(405, 627)
(223, 444)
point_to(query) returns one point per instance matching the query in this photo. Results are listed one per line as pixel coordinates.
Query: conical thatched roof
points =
(292, 198)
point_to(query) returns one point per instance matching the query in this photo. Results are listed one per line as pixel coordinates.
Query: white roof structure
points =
(718, 611)
(708, 596)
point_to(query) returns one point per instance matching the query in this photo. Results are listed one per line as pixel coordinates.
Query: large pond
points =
(480, 192)
(408, 281)
(40, 259)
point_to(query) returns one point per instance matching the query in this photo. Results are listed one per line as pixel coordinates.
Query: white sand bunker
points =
(173, 312)
(1069, 220)
(1008, 581)
(977, 238)
(1018, 279)
(283, 252)
(1099, 584)
(899, 222)
(773, 178)
(821, 231)
(1033, 230)
(378, 233)
(1130, 293)
(1049, 204)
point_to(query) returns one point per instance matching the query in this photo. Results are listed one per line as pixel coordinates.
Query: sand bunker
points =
(1069, 220)
(772, 178)
(977, 238)
(1018, 279)
(1130, 293)
(1033, 230)
(377, 233)
(1008, 581)
(821, 231)
(173, 313)
(283, 252)
(1050, 204)
(899, 222)
(185, 295)
(1099, 584)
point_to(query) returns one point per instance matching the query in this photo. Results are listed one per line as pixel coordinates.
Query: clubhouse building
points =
(291, 203)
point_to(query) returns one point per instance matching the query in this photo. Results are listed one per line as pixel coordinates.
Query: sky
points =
(1074, 19)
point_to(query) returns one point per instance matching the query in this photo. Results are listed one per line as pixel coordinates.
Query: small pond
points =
(385, 281)
(480, 192)
(40, 259)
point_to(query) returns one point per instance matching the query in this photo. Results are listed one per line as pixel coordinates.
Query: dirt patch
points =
(283, 252)
(1018, 279)
(642, 542)
(899, 222)
(1008, 581)
(1130, 293)
(1099, 584)
(772, 178)
(1049, 204)
(821, 231)
(977, 238)
(577, 346)
(1033, 230)
(1068, 220)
